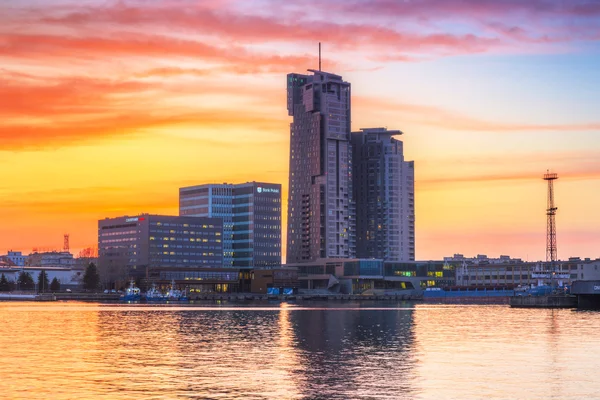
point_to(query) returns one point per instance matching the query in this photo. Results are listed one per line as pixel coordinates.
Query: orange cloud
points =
(509, 177)
(54, 112)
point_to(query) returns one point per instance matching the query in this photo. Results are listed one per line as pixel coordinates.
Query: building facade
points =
(251, 214)
(127, 246)
(384, 196)
(371, 276)
(320, 182)
(51, 259)
(68, 277)
(517, 273)
(16, 257)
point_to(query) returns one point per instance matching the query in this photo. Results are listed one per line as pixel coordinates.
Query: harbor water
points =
(335, 350)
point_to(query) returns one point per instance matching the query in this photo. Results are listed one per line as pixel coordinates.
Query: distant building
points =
(69, 278)
(383, 191)
(483, 259)
(251, 214)
(129, 245)
(16, 257)
(320, 218)
(51, 259)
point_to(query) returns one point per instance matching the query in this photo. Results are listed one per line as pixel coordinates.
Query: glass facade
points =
(363, 267)
(251, 214)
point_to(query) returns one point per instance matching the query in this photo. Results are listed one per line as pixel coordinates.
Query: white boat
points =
(153, 294)
(176, 294)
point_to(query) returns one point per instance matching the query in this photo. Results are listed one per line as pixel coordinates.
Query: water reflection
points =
(355, 354)
(395, 351)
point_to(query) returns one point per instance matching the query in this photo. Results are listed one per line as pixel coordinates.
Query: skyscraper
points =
(320, 182)
(384, 196)
(251, 214)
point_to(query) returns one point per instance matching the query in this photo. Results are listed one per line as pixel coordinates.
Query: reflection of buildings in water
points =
(241, 351)
(124, 332)
(356, 351)
(555, 368)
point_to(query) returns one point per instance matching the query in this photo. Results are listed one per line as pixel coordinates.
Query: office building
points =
(320, 183)
(384, 196)
(251, 214)
(129, 245)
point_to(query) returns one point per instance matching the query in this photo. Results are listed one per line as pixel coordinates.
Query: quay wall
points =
(543, 301)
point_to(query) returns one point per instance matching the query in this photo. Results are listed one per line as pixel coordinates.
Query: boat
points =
(153, 294)
(176, 294)
(132, 293)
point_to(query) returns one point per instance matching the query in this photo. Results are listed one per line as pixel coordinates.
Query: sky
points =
(108, 107)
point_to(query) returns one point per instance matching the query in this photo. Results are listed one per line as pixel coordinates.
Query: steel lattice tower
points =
(66, 242)
(551, 214)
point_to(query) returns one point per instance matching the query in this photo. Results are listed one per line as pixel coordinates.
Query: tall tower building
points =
(384, 196)
(320, 181)
(251, 214)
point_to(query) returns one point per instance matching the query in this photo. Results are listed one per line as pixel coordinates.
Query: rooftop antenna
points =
(319, 56)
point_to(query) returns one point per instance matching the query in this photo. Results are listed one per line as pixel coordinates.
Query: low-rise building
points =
(69, 278)
(515, 274)
(16, 257)
(51, 259)
(371, 275)
(281, 278)
(482, 259)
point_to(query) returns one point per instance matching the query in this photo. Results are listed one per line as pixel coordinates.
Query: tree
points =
(43, 283)
(4, 285)
(55, 285)
(91, 278)
(25, 281)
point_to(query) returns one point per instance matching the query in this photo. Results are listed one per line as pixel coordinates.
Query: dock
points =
(550, 301)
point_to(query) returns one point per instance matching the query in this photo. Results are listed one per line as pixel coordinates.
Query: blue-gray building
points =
(251, 214)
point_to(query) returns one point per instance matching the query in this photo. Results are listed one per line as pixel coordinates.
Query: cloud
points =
(38, 112)
(41, 47)
(238, 30)
(447, 119)
(571, 166)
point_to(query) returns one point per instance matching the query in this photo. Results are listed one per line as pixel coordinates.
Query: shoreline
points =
(249, 297)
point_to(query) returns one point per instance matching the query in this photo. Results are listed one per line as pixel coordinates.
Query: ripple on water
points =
(70, 350)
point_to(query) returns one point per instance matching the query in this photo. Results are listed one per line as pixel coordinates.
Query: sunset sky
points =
(107, 108)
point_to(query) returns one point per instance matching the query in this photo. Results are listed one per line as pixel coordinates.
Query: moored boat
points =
(153, 294)
(132, 293)
(175, 294)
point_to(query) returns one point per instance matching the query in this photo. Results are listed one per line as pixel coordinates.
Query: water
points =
(318, 351)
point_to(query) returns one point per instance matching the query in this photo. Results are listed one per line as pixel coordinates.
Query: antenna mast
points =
(551, 226)
(319, 56)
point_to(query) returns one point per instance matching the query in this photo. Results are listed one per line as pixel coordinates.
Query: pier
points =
(588, 294)
(558, 301)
